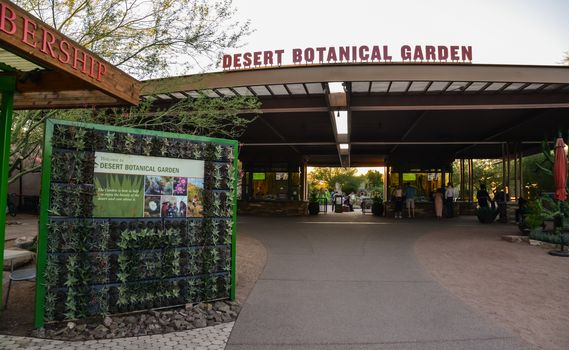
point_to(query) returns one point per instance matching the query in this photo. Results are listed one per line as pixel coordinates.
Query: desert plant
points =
(486, 215)
(313, 205)
(377, 206)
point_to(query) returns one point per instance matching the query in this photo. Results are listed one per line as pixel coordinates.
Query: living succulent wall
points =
(103, 265)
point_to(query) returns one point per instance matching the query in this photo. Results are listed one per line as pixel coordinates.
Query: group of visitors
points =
(408, 194)
(171, 209)
(500, 200)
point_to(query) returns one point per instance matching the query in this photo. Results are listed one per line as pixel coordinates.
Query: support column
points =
(471, 179)
(507, 188)
(503, 164)
(462, 187)
(516, 194)
(7, 87)
(385, 183)
(521, 176)
(387, 177)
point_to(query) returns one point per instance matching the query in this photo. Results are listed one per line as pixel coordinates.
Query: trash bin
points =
(338, 203)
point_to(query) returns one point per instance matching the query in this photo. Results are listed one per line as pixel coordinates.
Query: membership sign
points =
(140, 186)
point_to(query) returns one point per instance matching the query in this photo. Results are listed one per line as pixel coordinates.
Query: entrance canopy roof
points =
(53, 71)
(415, 114)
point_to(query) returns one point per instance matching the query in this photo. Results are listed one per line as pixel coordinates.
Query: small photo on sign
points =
(195, 197)
(152, 206)
(158, 185)
(180, 186)
(173, 206)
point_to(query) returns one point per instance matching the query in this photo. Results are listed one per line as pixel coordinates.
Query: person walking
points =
(449, 200)
(439, 203)
(482, 196)
(398, 197)
(410, 193)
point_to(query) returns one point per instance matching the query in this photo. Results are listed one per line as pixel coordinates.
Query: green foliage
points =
(109, 265)
(539, 235)
(147, 39)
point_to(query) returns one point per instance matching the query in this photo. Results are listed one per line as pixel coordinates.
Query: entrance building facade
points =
(414, 118)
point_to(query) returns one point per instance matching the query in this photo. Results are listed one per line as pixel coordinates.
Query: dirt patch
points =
(519, 286)
(251, 260)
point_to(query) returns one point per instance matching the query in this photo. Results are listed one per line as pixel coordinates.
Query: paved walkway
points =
(209, 338)
(344, 281)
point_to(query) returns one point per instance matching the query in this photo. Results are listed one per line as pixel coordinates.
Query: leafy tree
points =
(374, 179)
(219, 117)
(321, 178)
(147, 38)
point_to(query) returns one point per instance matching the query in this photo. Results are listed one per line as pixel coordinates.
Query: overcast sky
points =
(500, 31)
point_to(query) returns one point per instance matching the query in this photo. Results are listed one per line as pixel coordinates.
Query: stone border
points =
(213, 338)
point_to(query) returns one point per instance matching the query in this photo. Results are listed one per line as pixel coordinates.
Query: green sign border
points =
(44, 199)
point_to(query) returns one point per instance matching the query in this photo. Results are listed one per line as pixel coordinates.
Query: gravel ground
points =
(519, 286)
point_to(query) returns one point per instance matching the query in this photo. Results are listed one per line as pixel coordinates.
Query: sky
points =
(499, 31)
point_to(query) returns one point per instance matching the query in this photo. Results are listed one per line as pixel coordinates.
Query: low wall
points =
(427, 209)
(272, 208)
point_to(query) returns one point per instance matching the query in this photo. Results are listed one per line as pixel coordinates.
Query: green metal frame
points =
(7, 88)
(232, 295)
(44, 199)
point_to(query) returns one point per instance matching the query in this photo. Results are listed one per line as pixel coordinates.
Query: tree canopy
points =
(326, 178)
(147, 38)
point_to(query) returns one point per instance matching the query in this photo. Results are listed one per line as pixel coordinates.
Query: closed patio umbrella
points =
(560, 170)
(560, 179)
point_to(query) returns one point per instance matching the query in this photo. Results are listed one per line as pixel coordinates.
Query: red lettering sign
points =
(50, 43)
(345, 54)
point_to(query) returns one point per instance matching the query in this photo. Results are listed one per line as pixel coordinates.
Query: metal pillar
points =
(507, 187)
(516, 194)
(7, 88)
(385, 183)
(471, 179)
(462, 187)
(521, 175)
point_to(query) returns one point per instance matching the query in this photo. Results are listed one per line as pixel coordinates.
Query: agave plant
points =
(56, 200)
(71, 307)
(217, 177)
(51, 272)
(218, 152)
(147, 144)
(79, 139)
(129, 143)
(49, 305)
(164, 147)
(60, 136)
(110, 141)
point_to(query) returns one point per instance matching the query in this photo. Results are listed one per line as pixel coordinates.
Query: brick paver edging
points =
(210, 338)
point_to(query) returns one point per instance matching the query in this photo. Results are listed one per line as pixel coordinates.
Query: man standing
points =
(449, 200)
(410, 193)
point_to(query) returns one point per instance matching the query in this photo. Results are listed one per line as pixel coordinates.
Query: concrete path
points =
(341, 281)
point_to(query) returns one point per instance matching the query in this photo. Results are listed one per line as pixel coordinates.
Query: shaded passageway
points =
(353, 282)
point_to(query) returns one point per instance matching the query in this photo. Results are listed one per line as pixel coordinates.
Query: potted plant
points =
(486, 215)
(377, 206)
(313, 205)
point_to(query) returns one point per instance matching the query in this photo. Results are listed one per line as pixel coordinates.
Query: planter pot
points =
(313, 208)
(377, 209)
(486, 215)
